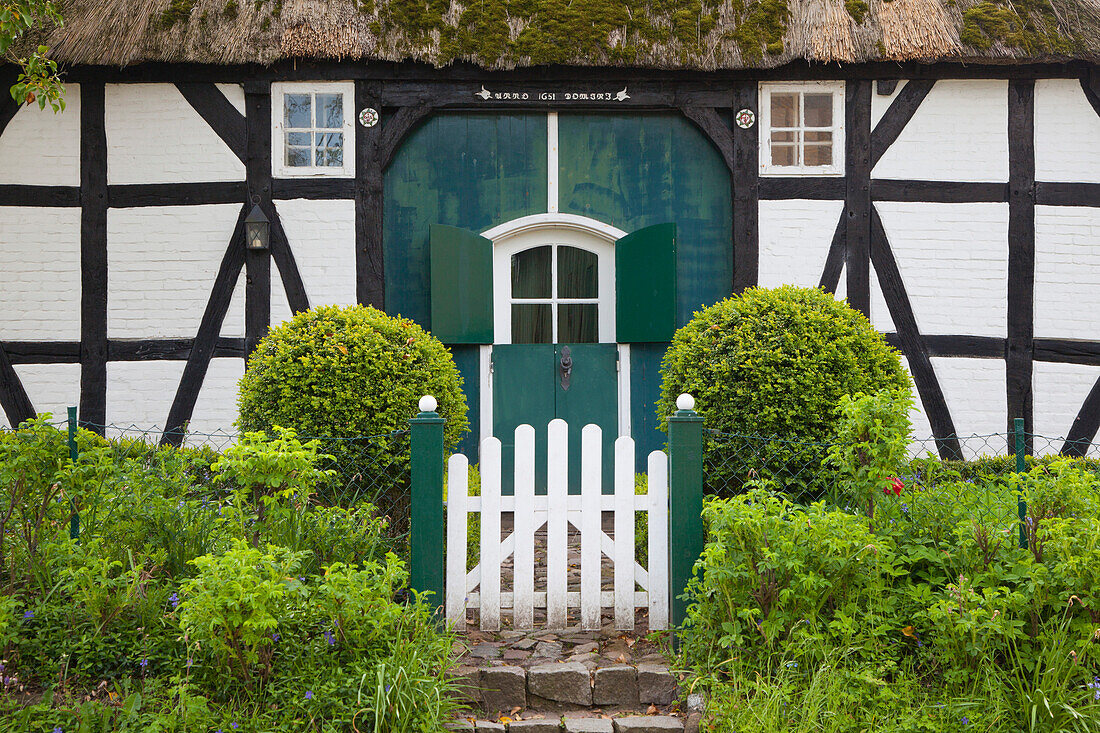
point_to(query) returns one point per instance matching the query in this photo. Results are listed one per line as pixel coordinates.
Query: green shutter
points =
(462, 286)
(645, 285)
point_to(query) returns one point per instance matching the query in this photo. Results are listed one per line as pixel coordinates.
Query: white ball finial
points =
(685, 402)
(428, 404)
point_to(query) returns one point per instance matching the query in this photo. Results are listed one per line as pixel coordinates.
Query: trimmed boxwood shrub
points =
(348, 372)
(774, 363)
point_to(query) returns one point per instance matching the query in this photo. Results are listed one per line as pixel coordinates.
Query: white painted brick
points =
(39, 274)
(51, 388)
(235, 94)
(1059, 391)
(1067, 133)
(41, 148)
(155, 136)
(322, 237)
(881, 102)
(1067, 272)
(161, 265)
(794, 240)
(959, 133)
(954, 264)
(975, 393)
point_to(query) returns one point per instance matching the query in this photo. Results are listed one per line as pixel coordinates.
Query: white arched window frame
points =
(553, 229)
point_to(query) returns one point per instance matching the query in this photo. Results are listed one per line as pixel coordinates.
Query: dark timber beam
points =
(1090, 85)
(206, 340)
(1085, 424)
(370, 275)
(834, 261)
(318, 189)
(745, 177)
(938, 192)
(130, 195)
(93, 257)
(257, 161)
(820, 188)
(29, 195)
(968, 347)
(897, 116)
(13, 398)
(912, 343)
(68, 352)
(220, 114)
(398, 127)
(1067, 194)
(1021, 251)
(8, 106)
(857, 199)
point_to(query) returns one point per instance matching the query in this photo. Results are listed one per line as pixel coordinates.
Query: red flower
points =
(894, 487)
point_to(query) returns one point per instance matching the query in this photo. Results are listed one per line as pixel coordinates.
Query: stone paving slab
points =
(588, 725)
(648, 724)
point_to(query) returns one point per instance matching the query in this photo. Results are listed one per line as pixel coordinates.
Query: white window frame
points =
(278, 138)
(836, 89)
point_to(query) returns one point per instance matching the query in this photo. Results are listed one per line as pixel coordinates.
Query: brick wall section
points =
(1067, 272)
(41, 148)
(39, 274)
(1067, 133)
(154, 136)
(959, 133)
(1059, 391)
(51, 387)
(322, 237)
(161, 263)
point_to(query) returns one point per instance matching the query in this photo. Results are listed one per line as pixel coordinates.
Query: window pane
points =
(296, 110)
(784, 155)
(300, 139)
(577, 273)
(531, 323)
(531, 274)
(819, 110)
(297, 157)
(817, 137)
(789, 136)
(578, 323)
(330, 110)
(818, 155)
(784, 110)
(330, 148)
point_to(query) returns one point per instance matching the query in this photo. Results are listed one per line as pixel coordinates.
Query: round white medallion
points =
(746, 118)
(368, 117)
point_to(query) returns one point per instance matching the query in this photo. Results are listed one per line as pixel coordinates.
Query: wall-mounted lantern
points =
(257, 229)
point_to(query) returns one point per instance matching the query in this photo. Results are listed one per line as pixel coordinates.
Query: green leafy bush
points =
(775, 362)
(345, 373)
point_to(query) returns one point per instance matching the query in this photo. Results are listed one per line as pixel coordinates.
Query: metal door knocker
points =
(566, 367)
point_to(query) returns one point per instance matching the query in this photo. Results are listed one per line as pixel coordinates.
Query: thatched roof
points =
(505, 34)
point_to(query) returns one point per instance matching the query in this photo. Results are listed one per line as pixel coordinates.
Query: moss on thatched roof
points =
(505, 34)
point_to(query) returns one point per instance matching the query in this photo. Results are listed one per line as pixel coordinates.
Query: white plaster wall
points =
(155, 136)
(959, 133)
(881, 102)
(1059, 391)
(1067, 133)
(922, 429)
(953, 260)
(51, 388)
(322, 237)
(39, 274)
(140, 394)
(235, 94)
(1067, 272)
(794, 241)
(161, 265)
(975, 393)
(39, 147)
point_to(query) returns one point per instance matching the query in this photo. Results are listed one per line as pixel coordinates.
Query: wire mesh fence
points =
(372, 469)
(971, 482)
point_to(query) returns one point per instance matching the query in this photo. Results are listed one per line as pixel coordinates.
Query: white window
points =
(802, 129)
(312, 131)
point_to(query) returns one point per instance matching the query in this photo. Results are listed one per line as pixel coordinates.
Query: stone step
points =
(626, 724)
(565, 686)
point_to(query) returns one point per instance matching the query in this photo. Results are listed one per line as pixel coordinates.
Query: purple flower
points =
(328, 638)
(309, 694)
(28, 614)
(234, 725)
(144, 663)
(175, 599)
(57, 729)
(1095, 687)
(965, 720)
(274, 637)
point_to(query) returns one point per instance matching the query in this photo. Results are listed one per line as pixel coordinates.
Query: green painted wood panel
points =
(462, 285)
(592, 397)
(637, 170)
(645, 285)
(468, 361)
(523, 393)
(645, 390)
(472, 171)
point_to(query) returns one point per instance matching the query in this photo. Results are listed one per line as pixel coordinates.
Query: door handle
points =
(566, 367)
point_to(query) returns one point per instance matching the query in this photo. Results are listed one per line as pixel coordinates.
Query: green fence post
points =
(1021, 467)
(685, 500)
(74, 453)
(426, 521)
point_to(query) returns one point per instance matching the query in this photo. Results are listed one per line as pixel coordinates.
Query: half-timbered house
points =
(525, 177)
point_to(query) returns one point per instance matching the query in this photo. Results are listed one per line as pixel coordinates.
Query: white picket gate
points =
(480, 588)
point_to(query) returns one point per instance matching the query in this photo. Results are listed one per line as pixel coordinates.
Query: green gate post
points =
(1021, 467)
(426, 522)
(74, 454)
(685, 500)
